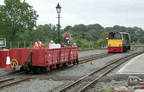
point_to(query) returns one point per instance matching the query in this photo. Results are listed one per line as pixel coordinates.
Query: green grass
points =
(108, 90)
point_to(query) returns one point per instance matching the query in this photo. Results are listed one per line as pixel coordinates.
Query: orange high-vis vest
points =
(35, 44)
(38, 44)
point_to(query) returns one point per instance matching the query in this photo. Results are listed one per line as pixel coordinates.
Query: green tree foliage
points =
(15, 18)
(96, 27)
(141, 40)
(62, 39)
(42, 32)
(95, 34)
(80, 27)
(67, 28)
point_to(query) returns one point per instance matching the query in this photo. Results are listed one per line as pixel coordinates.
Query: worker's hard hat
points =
(74, 45)
(51, 41)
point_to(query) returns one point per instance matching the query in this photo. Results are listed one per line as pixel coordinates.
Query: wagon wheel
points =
(34, 70)
(21, 68)
(73, 62)
(77, 61)
(64, 65)
(58, 66)
(27, 71)
(38, 71)
(51, 67)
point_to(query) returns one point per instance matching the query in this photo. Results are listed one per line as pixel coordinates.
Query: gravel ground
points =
(5, 72)
(34, 86)
(56, 81)
(91, 52)
(86, 68)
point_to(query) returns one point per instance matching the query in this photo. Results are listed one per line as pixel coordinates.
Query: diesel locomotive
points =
(119, 42)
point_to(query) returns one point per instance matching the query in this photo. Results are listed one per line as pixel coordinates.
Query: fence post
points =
(18, 44)
(24, 44)
(10, 44)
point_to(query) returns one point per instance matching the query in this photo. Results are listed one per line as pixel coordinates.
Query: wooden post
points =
(18, 44)
(10, 44)
(24, 44)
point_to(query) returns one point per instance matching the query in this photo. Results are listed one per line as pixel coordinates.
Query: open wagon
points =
(44, 59)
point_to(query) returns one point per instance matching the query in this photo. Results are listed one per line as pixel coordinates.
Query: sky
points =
(107, 13)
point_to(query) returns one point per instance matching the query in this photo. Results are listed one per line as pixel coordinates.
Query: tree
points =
(80, 27)
(67, 28)
(141, 40)
(15, 18)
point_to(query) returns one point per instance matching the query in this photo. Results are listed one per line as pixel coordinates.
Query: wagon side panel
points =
(38, 57)
(56, 56)
(3, 56)
(49, 56)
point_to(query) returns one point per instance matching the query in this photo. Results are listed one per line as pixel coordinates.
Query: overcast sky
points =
(107, 13)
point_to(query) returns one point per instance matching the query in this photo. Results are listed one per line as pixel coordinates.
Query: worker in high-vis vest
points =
(38, 43)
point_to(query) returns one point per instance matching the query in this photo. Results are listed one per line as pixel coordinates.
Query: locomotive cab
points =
(118, 42)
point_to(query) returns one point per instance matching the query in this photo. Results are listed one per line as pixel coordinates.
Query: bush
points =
(21, 44)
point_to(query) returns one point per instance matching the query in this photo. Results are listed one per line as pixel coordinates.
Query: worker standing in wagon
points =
(38, 43)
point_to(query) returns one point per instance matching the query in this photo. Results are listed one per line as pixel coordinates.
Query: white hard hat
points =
(51, 41)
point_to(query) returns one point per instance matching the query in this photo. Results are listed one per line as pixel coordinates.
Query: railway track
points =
(93, 49)
(81, 60)
(80, 86)
(11, 81)
(97, 56)
(94, 57)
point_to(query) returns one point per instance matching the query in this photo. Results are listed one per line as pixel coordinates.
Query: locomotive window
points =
(118, 36)
(111, 35)
(115, 36)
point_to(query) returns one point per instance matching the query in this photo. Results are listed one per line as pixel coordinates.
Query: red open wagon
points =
(44, 59)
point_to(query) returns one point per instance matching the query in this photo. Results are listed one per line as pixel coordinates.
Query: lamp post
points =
(58, 8)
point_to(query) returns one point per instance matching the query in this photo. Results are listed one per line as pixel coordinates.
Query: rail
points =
(105, 69)
(12, 83)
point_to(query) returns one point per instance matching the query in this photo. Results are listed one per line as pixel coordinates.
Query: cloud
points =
(104, 12)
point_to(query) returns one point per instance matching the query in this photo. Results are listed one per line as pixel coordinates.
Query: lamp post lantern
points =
(58, 8)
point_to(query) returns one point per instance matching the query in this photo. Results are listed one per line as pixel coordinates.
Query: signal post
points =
(67, 39)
